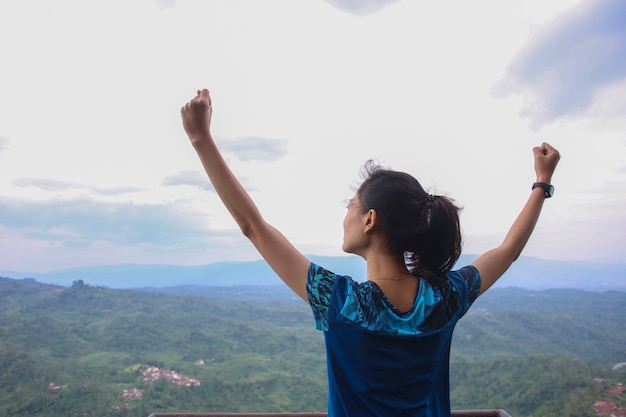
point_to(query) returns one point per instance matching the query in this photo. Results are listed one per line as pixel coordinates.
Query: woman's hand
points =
(546, 159)
(196, 115)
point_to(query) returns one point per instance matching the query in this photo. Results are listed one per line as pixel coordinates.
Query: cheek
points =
(346, 228)
(345, 221)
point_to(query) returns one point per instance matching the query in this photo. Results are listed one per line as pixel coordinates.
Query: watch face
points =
(551, 191)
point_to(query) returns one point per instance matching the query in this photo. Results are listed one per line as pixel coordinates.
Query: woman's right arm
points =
(288, 263)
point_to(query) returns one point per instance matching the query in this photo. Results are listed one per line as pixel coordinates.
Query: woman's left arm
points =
(492, 264)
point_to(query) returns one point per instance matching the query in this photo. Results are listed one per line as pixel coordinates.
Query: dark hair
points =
(422, 228)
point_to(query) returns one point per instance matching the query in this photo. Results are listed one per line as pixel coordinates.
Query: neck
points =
(386, 267)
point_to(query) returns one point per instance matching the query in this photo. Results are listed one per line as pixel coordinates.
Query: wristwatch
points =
(548, 189)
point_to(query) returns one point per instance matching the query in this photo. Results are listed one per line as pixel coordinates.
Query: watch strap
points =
(548, 189)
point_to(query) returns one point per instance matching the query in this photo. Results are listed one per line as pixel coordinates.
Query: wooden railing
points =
(455, 413)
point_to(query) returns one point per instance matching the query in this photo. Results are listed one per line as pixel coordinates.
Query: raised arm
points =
(288, 263)
(495, 262)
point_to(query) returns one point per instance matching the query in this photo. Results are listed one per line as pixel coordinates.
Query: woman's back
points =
(401, 294)
(383, 361)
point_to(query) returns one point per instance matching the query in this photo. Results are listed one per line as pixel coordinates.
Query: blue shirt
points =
(382, 362)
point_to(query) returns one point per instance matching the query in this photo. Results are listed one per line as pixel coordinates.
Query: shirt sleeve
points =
(471, 281)
(320, 283)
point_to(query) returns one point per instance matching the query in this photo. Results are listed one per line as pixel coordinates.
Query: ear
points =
(371, 221)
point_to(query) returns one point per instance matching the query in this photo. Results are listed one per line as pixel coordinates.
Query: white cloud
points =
(254, 148)
(361, 7)
(81, 221)
(165, 4)
(192, 178)
(56, 186)
(45, 184)
(567, 62)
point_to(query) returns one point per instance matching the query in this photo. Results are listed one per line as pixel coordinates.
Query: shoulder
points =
(321, 282)
(466, 275)
(324, 286)
(466, 281)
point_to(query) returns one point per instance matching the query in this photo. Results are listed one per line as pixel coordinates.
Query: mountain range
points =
(527, 272)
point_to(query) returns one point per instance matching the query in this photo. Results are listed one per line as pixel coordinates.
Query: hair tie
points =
(429, 199)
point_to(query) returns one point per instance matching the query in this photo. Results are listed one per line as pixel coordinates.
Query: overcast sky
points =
(95, 167)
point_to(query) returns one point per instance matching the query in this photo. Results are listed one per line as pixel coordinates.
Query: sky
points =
(95, 168)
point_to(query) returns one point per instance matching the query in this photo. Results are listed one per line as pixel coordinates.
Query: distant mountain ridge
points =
(526, 272)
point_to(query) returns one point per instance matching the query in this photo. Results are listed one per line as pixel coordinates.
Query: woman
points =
(388, 338)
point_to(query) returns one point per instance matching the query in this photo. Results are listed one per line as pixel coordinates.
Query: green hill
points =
(81, 350)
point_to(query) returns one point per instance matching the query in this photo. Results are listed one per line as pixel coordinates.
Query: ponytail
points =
(437, 246)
